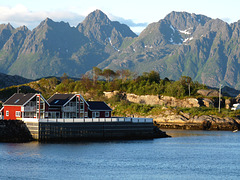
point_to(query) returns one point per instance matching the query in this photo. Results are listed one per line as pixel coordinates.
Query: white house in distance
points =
(235, 107)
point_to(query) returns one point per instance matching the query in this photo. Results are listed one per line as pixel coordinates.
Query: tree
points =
(86, 82)
(124, 74)
(64, 77)
(96, 73)
(186, 82)
(152, 76)
(108, 73)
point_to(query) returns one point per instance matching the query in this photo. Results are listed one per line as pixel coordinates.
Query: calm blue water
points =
(188, 155)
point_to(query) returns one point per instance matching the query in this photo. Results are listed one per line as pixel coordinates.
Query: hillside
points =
(8, 80)
(181, 44)
(184, 44)
(54, 48)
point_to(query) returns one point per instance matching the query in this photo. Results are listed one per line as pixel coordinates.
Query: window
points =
(86, 114)
(95, 114)
(81, 106)
(107, 114)
(18, 114)
(7, 113)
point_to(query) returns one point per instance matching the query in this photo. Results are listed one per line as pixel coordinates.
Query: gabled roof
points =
(19, 99)
(98, 106)
(60, 99)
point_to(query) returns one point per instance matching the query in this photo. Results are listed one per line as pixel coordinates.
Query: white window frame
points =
(107, 114)
(7, 113)
(18, 114)
(95, 114)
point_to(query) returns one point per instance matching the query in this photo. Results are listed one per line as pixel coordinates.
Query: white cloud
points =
(19, 15)
(128, 22)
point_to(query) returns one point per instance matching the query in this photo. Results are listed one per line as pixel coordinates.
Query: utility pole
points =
(189, 89)
(219, 104)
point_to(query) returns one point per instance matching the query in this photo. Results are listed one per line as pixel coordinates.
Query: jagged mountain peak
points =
(185, 20)
(97, 16)
(23, 28)
(50, 23)
(7, 27)
(99, 28)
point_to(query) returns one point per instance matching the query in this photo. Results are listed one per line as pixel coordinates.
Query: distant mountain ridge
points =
(181, 44)
(8, 80)
(53, 48)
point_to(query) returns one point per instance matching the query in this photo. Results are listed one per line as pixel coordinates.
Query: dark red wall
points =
(102, 114)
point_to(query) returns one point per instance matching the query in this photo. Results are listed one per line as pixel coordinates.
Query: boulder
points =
(208, 102)
(208, 92)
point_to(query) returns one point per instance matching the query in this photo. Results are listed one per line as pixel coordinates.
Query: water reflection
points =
(183, 133)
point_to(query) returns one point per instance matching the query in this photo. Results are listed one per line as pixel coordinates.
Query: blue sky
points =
(135, 13)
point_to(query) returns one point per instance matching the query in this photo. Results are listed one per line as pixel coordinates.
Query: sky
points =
(137, 14)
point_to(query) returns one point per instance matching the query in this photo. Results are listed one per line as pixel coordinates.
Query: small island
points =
(181, 104)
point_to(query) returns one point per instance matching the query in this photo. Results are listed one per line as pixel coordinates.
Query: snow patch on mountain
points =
(186, 31)
(188, 39)
(172, 28)
(112, 44)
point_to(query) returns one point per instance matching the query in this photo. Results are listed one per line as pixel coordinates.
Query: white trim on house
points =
(74, 97)
(33, 97)
(7, 113)
(8, 99)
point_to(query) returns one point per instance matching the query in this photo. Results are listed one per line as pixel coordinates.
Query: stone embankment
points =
(14, 131)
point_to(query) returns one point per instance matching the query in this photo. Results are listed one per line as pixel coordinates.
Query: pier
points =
(91, 128)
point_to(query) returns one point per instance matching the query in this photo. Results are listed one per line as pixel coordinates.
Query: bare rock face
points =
(208, 102)
(228, 103)
(205, 122)
(110, 94)
(209, 92)
(163, 100)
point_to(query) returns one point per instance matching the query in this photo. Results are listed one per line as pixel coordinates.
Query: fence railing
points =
(87, 120)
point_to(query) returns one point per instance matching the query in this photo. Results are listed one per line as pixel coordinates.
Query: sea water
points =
(187, 155)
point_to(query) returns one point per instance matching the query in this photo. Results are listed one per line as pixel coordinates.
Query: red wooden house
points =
(29, 105)
(98, 109)
(62, 106)
(75, 106)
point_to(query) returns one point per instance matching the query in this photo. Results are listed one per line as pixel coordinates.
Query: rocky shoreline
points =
(170, 119)
(204, 122)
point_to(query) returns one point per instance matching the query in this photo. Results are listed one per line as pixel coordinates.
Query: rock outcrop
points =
(208, 92)
(157, 100)
(170, 120)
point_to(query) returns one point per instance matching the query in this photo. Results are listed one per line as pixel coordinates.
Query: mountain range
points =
(181, 44)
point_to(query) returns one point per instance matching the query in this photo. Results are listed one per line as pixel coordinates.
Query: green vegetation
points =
(126, 81)
(123, 81)
(199, 111)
